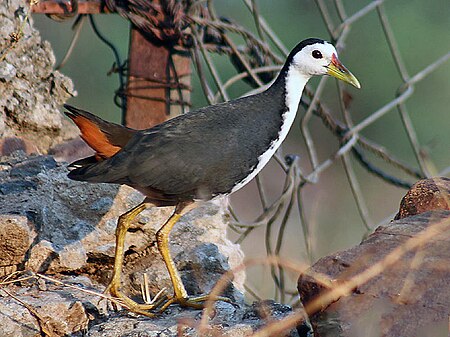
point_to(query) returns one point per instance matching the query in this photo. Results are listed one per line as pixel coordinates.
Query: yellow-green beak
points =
(338, 70)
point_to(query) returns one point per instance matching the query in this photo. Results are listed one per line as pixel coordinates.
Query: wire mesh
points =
(257, 54)
(348, 133)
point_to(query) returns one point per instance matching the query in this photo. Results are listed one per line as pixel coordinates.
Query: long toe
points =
(146, 309)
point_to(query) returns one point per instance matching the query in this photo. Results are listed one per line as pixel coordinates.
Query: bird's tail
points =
(105, 138)
(105, 171)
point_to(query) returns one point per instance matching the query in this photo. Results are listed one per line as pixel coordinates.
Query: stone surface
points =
(426, 195)
(30, 90)
(409, 298)
(64, 311)
(75, 224)
(229, 321)
(15, 240)
(57, 310)
(70, 227)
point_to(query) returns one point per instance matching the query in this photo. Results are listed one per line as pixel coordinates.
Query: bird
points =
(204, 154)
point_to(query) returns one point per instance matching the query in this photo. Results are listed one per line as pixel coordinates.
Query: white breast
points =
(295, 83)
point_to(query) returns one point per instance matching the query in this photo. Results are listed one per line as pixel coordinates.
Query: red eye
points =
(317, 54)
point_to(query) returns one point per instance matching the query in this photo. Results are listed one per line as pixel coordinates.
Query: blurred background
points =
(327, 207)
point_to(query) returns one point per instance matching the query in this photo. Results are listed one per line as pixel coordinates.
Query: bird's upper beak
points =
(338, 70)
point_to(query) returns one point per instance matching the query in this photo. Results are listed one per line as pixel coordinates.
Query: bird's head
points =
(317, 57)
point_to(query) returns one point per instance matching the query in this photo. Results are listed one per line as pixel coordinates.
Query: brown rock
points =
(71, 150)
(425, 195)
(408, 298)
(59, 311)
(9, 145)
(15, 239)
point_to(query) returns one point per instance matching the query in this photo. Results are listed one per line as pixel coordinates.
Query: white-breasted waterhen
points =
(203, 154)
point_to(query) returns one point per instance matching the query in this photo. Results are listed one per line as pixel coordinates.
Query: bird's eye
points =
(317, 54)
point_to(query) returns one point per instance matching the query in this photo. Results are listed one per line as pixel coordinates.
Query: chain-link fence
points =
(351, 148)
(337, 176)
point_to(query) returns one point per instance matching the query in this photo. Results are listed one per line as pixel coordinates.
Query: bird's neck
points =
(294, 84)
(291, 82)
(284, 97)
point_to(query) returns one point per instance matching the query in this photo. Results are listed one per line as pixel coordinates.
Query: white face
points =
(313, 59)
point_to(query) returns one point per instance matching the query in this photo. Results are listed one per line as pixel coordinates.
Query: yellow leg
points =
(123, 225)
(180, 294)
(162, 238)
(113, 288)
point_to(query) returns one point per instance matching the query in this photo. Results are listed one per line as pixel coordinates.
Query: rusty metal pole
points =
(63, 7)
(152, 84)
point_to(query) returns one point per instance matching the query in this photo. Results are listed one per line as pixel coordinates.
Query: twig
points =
(44, 324)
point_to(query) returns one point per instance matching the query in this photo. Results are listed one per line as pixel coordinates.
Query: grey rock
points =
(7, 71)
(71, 230)
(227, 321)
(16, 186)
(31, 91)
(75, 224)
(32, 166)
(102, 205)
(202, 268)
(267, 308)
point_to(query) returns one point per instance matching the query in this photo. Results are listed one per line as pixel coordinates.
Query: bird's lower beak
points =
(338, 70)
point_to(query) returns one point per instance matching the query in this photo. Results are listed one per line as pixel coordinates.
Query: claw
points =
(138, 308)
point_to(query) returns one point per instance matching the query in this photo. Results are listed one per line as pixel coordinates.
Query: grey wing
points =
(181, 161)
(205, 151)
(153, 159)
(166, 163)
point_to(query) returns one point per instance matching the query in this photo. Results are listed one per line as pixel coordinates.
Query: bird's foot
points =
(159, 303)
(149, 308)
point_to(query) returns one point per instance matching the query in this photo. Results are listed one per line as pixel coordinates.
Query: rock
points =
(425, 195)
(229, 321)
(267, 308)
(267, 311)
(7, 72)
(32, 167)
(72, 228)
(76, 223)
(9, 145)
(43, 254)
(31, 91)
(203, 262)
(16, 186)
(71, 150)
(32, 306)
(15, 240)
(59, 311)
(408, 298)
